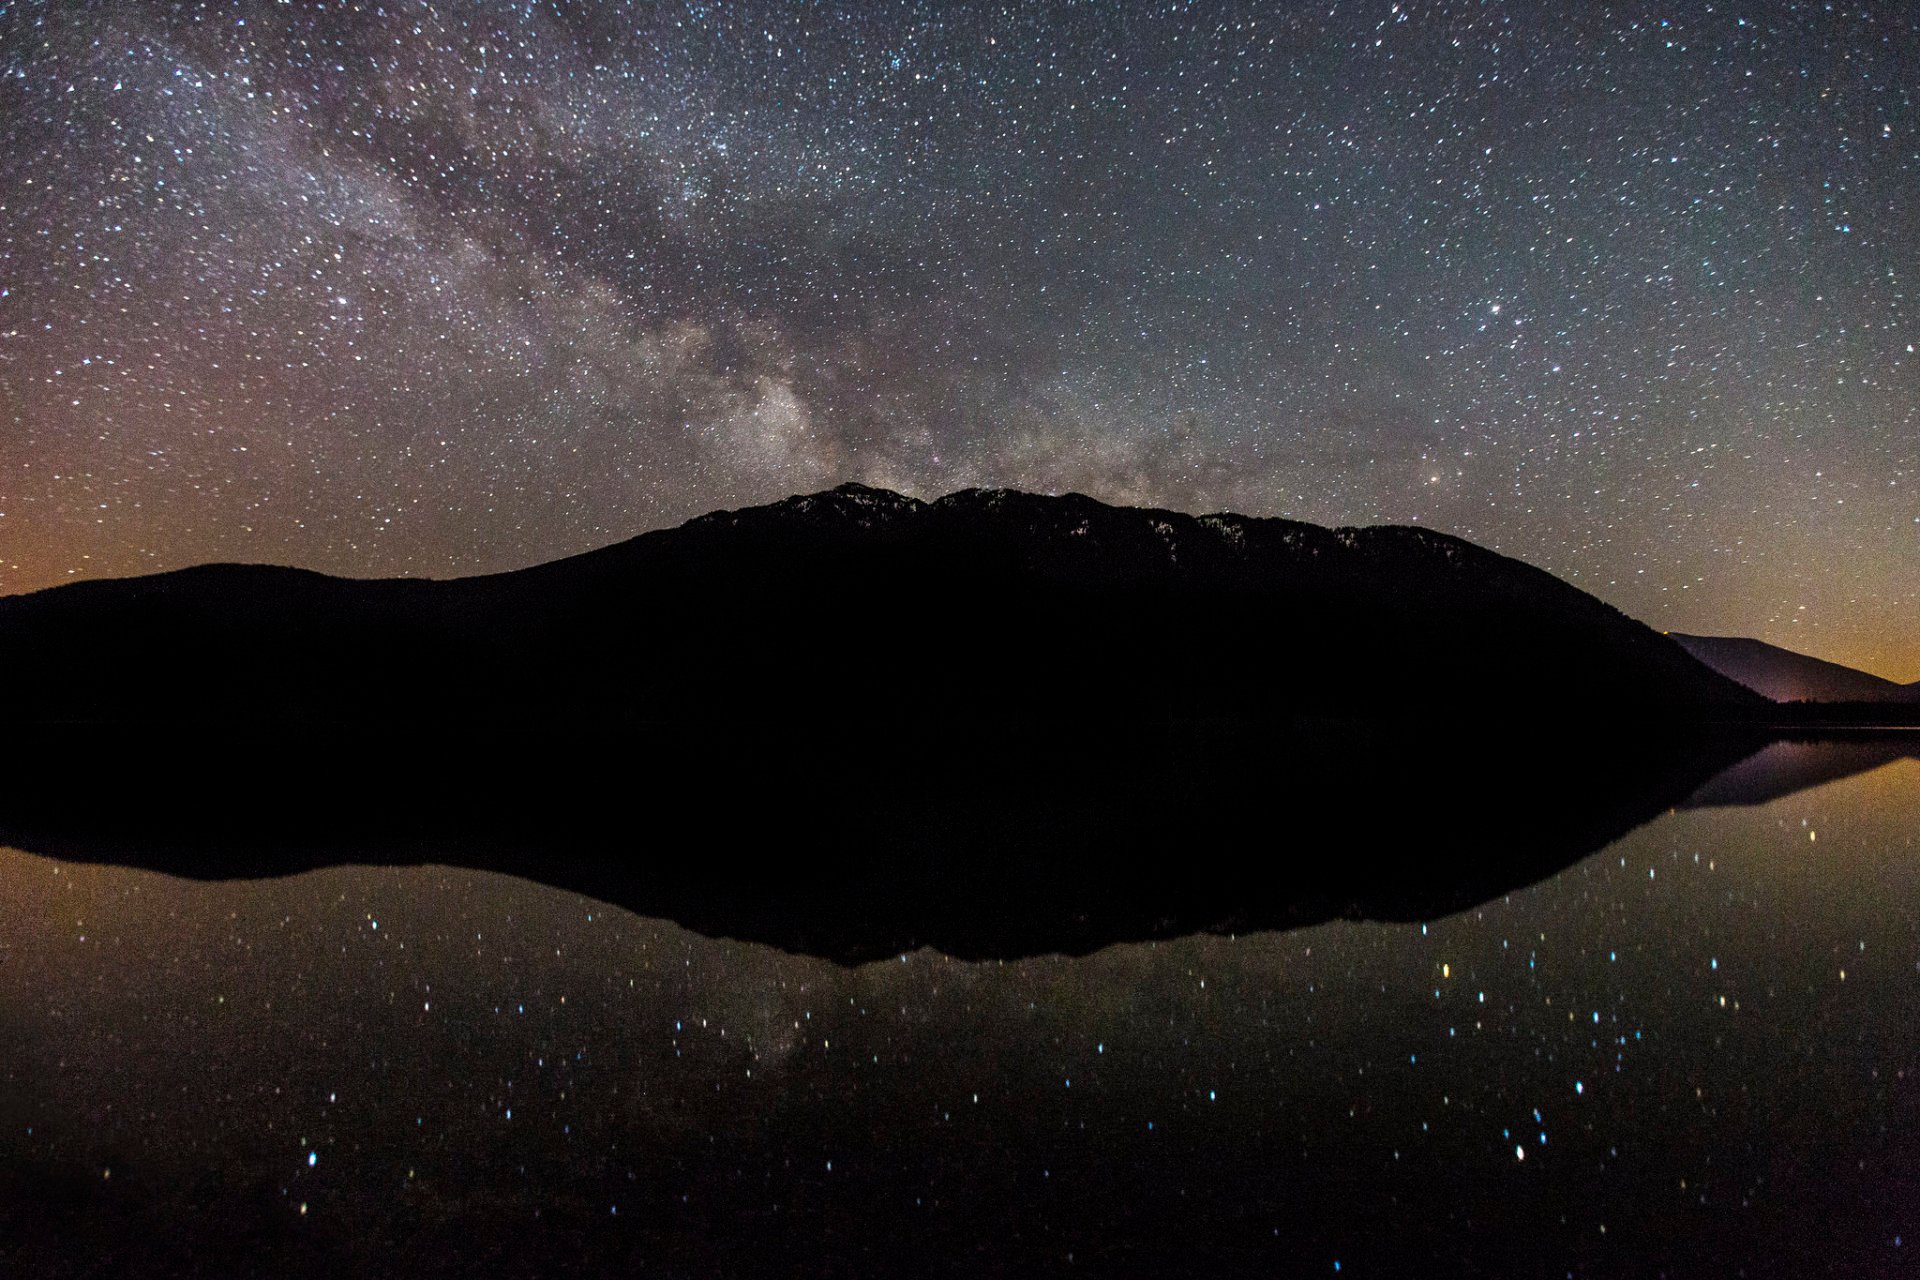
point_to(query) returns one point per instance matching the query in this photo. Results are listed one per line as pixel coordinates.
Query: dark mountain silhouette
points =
(859, 606)
(853, 723)
(1786, 676)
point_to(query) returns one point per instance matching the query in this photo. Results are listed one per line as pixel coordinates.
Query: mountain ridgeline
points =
(1786, 676)
(859, 606)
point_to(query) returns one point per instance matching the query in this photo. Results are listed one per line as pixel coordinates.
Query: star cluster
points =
(435, 289)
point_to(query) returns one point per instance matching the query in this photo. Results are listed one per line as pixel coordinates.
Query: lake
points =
(1692, 1052)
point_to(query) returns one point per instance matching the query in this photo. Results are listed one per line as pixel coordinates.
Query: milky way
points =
(439, 289)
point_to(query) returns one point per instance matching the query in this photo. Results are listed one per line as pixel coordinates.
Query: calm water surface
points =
(1694, 1053)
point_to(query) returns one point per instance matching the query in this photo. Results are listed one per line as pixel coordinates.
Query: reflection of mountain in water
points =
(1784, 767)
(862, 844)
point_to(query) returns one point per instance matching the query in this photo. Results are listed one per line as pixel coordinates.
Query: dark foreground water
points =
(1692, 1054)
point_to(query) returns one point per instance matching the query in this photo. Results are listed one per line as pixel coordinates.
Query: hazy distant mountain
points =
(1786, 676)
(863, 602)
(858, 605)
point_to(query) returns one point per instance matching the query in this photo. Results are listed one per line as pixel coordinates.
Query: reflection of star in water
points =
(933, 1088)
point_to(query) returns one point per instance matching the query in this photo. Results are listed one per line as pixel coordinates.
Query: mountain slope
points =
(1786, 676)
(857, 603)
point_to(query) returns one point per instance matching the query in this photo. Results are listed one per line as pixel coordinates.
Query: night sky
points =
(437, 289)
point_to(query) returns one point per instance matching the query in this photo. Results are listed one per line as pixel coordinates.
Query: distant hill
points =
(858, 605)
(1786, 676)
